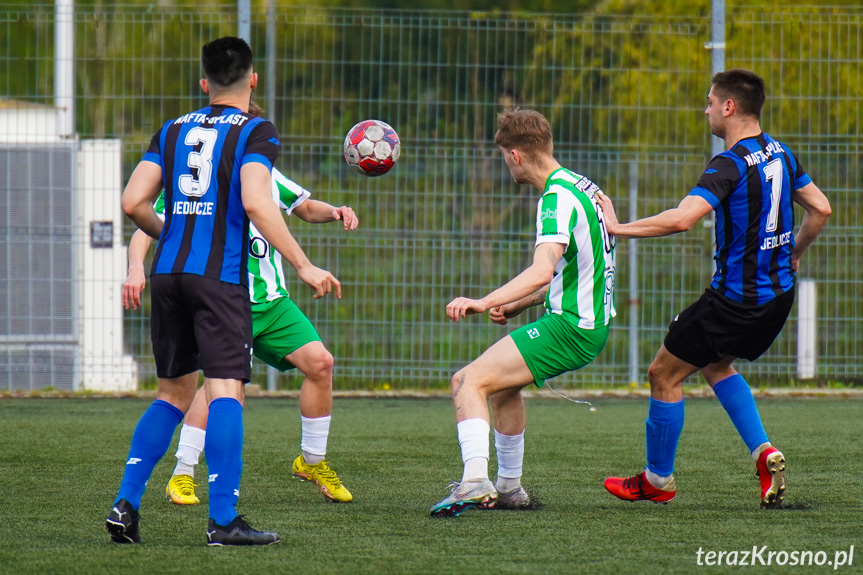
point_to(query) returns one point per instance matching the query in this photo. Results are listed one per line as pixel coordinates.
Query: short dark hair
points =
(527, 130)
(745, 88)
(226, 60)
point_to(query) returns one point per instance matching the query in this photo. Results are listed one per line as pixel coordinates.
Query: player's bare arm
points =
(144, 185)
(259, 205)
(502, 314)
(818, 210)
(673, 221)
(534, 278)
(136, 280)
(318, 212)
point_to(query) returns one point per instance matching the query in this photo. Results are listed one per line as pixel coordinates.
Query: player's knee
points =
(323, 364)
(457, 382)
(654, 375)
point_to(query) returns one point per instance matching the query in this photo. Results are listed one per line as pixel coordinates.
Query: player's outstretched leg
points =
(238, 532)
(499, 373)
(638, 488)
(316, 396)
(322, 475)
(510, 456)
(736, 397)
(510, 418)
(149, 443)
(475, 488)
(122, 523)
(224, 446)
(479, 492)
(181, 490)
(770, 469)
(662, 428)
(181, 487)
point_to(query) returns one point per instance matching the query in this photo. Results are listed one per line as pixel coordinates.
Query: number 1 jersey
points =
(201, 154)
(749, 187)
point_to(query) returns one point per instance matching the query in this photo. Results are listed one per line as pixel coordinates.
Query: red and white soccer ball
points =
(372, 148)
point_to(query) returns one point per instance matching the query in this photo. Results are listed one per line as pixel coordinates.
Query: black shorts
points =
(716, 326)
(200, 323)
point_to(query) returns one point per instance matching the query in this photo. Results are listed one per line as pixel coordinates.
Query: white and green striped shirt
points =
(266, 276)
(583, 283)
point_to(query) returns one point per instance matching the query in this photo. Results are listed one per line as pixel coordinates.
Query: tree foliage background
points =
(623, 83)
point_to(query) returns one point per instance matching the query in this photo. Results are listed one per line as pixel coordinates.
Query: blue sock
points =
(663, 426)
(223, 447)
(736, 397)
(150, 441)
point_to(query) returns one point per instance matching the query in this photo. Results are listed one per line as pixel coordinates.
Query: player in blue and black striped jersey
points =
(215, 166)
(750, 187)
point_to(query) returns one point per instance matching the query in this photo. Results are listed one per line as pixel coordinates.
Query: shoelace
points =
(185, 486)
(633, 483)
(326, 473)
(242, 522)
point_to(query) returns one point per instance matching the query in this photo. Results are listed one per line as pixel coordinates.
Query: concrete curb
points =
(254, 390)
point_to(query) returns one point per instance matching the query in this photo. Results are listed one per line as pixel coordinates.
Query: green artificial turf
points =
(62, 459)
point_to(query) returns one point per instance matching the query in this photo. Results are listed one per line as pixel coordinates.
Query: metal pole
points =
(64, 66)
(634, 299)
(270, 80)
(717, 47)
(243, 20)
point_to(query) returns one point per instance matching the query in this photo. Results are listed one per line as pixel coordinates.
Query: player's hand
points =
(608, 215)
(795, 262)
(320, 280)
(462, 307)
(502, 313)
(133, 287)
(347, 216)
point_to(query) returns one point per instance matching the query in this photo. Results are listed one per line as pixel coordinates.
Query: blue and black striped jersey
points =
(206, 229)
(749, 187)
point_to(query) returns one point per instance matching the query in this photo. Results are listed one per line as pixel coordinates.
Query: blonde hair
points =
(525, 130)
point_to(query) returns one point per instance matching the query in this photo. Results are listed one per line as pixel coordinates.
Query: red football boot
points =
(770, 470)
(638, 488)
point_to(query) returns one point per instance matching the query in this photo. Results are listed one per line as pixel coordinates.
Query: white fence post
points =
(807, 347)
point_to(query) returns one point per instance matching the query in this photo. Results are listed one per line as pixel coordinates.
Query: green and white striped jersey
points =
(583, 283)
(266, 276)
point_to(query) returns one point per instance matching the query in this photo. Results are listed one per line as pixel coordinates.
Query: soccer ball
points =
(372, 148)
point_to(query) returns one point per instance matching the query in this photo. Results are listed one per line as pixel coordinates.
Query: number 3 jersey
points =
(583, 282)
(201, 154)
(266, 275)
(749, 187)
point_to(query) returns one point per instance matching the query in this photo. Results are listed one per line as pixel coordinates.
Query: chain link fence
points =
(624, 94)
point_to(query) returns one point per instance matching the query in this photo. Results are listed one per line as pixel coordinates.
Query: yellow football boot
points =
(324, 477)
(181, 490)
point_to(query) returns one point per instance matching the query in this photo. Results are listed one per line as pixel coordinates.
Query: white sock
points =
(189, 449)
(475, 468)
(756, 453)
(316, 431)
(658, 481)
(473, 439)
(510, 455)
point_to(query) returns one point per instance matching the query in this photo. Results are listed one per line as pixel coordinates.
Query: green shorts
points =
(280, 328)
(555, 344)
